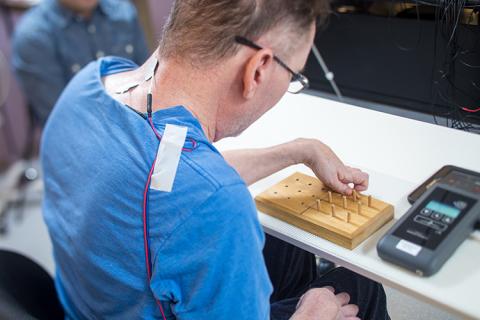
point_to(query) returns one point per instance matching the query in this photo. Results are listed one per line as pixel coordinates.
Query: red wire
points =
(153, 128)
(145, 226)
(145, 239)
(471, 110)
(145, 231)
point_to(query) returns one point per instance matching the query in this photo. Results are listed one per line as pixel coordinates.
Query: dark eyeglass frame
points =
(296, 76)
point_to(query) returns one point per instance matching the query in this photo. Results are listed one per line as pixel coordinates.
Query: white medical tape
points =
(152, 70)
(168, 156)
(127, 87)
(149, 75)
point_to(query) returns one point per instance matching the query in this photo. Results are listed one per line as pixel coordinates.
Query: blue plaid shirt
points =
(51, 44)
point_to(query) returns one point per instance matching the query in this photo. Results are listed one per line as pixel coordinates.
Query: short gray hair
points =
(203, 31)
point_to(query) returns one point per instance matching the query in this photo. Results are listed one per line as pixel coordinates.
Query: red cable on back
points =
(145, 211)
(145, 238)
(145, 224)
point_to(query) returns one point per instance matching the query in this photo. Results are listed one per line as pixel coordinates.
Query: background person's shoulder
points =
(36, 24)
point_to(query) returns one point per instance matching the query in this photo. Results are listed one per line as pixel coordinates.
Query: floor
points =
(25, 232)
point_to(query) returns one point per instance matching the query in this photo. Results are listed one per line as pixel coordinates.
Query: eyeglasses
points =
(298, 81)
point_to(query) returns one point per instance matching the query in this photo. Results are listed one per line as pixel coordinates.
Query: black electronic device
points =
(451, 175)
(438, 222)
(413, 56)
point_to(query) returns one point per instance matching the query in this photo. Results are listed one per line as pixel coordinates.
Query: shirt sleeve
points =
(212, 265)
(38, 70)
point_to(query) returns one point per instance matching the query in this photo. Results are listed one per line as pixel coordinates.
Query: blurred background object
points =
(419, 59)
(4, 79)
(152, 15)
(14, 118)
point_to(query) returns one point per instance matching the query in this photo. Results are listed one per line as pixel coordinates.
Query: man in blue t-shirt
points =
(147, 219)
(57, 38)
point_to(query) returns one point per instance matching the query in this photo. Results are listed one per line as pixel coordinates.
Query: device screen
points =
(434, 218)
(444, 209)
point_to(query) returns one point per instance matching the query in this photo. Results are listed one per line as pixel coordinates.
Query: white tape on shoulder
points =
(168, 156)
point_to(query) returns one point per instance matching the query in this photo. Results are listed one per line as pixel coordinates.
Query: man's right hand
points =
(323, 304)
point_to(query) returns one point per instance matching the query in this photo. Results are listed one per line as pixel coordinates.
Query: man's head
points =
(82, 7)
(202, 34)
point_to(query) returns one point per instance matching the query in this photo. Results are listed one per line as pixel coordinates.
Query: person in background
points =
(57, 38)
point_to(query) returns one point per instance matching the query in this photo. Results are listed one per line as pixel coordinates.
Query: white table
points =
(399, 154)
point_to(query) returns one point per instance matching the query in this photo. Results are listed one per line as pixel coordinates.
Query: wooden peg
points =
(330, 196)
(359, 207)
(354, 194)
(369, 201)
(318, 204)
(348, 217)
(333, 211)
(344, 202)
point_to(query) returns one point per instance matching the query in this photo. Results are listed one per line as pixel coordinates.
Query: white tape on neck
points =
(168, 157)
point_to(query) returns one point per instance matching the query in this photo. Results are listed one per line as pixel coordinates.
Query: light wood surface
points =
(305, 202)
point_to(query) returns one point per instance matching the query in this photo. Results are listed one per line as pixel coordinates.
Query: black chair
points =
(26, 290)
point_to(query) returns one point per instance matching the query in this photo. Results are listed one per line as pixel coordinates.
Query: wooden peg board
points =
(295, 200)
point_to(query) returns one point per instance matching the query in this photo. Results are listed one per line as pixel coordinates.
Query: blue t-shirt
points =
(205, 237)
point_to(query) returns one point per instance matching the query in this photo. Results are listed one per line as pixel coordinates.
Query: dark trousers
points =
(293, 271)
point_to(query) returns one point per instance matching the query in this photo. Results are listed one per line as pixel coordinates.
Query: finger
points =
(340, 187)
(352, 318)
(345, 175)
(300, 301)
(350, 310)
(330, 289)
(341, 182)
(360, 188)
(343, 298)
(360, 179)
(332, 181)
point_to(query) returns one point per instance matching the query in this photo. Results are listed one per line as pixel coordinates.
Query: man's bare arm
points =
(256, 164)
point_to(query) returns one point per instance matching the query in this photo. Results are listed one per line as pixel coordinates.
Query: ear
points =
(257, 72)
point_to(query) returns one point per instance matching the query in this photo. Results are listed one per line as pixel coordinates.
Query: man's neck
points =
(178, 84)
(202, 92)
